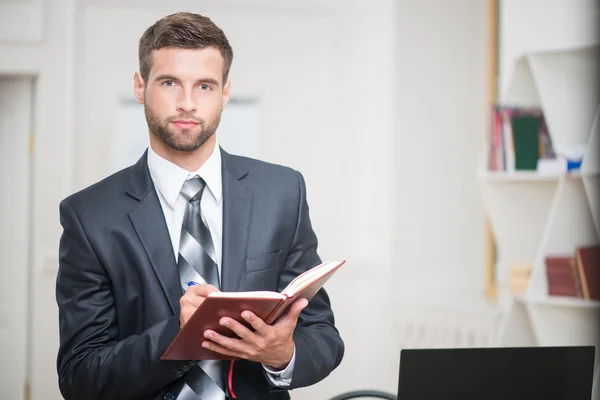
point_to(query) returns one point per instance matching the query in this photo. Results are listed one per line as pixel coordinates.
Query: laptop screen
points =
(515, 373)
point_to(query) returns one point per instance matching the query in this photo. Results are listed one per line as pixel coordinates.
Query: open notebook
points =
(269, 306)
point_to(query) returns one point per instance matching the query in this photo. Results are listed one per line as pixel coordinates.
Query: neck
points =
(189, 160)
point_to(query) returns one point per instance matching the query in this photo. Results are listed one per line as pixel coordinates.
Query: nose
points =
(186, 101)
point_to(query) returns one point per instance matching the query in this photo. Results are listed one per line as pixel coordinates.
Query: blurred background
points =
(401, 116)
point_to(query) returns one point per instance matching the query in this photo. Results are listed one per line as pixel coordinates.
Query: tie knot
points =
(192, 188)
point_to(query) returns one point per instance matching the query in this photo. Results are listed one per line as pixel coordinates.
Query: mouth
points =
(185, 124)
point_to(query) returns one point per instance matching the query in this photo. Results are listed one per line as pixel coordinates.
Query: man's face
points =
(184, 96)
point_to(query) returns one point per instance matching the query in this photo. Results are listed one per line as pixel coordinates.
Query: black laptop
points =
(513, 373)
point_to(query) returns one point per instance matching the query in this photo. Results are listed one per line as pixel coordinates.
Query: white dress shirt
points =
(168, 180)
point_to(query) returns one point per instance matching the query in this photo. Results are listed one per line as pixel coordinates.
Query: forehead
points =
(192, 64)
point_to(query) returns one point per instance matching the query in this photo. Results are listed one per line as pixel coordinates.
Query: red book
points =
(562, 276)
(269, 306)
(568, 291)
(558, 264)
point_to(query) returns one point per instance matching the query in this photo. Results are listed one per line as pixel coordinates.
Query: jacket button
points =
(193, 362)
(179, 374)
(186, 368)
(169, 396)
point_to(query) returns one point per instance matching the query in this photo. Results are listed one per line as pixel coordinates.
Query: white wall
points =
(441, 59)
(51, 61)
(402, 81)
(536, 25)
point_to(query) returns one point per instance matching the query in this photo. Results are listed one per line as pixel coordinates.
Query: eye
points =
(169, 83)
(204, 86)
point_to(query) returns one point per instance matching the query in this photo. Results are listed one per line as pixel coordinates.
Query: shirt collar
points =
(169, 177)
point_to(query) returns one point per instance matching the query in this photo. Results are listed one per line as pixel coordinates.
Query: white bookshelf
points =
(533, 215)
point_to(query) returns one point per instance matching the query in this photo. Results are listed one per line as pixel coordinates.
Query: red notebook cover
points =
(187, 345)
(269, 306)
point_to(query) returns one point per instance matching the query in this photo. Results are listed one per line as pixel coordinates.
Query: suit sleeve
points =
(319, 347)
(92, 362)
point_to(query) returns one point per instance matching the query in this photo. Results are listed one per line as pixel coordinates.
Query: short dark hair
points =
(187, 31)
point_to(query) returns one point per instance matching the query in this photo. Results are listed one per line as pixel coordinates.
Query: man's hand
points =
(270, 345)
(191, 300)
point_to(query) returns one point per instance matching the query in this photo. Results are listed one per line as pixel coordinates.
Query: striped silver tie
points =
(197, 262)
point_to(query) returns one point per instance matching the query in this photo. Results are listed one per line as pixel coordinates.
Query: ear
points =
(226, 92)
(138, 87)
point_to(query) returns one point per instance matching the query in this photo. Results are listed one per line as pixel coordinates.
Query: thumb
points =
(295, 310)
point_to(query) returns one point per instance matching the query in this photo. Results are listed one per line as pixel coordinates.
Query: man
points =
(187, 211)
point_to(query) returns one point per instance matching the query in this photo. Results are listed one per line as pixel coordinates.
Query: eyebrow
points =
(165, 77)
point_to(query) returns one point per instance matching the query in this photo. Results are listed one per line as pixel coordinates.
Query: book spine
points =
(576, 278)
(275, 313)
(585, 292)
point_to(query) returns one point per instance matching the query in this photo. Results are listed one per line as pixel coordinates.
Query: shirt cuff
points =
(283, 377)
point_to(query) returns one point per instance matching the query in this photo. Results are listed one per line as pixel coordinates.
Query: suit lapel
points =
(237, 210)
(149, 223)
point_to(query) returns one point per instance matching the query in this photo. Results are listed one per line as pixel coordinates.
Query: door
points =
(15, 128)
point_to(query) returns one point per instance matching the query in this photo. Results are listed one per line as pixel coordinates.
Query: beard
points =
(187, 139)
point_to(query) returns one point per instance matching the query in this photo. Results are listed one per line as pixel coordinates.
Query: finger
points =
(258, 324)
(220, 349)
(191, 299)
(195, 295)
(236, 345)
(239, 329)
(201, 290)
(294, 312)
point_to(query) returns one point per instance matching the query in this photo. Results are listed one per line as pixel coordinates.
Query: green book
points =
(525, 131)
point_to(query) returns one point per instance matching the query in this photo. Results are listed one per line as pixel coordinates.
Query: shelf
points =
(568, 91)
(550, 321)
(559, 301)
(535, 214)
(516, 329)
(559, 83)
(571, 224)
(591, 158)
(592, 188)
(517, 204)
(526, 176)
(557, 324)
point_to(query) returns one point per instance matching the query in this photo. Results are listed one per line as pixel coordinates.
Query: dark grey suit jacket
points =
(118, 287)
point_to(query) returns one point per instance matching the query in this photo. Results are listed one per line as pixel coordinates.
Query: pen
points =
(192, 283)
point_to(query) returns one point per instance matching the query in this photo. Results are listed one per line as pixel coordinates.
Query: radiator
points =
(446, 329)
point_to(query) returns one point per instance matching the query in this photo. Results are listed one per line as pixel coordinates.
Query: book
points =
(526, 143)
(519, 140)
(588, 268)
(519, 277)
(563, 279)
(267, 305)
